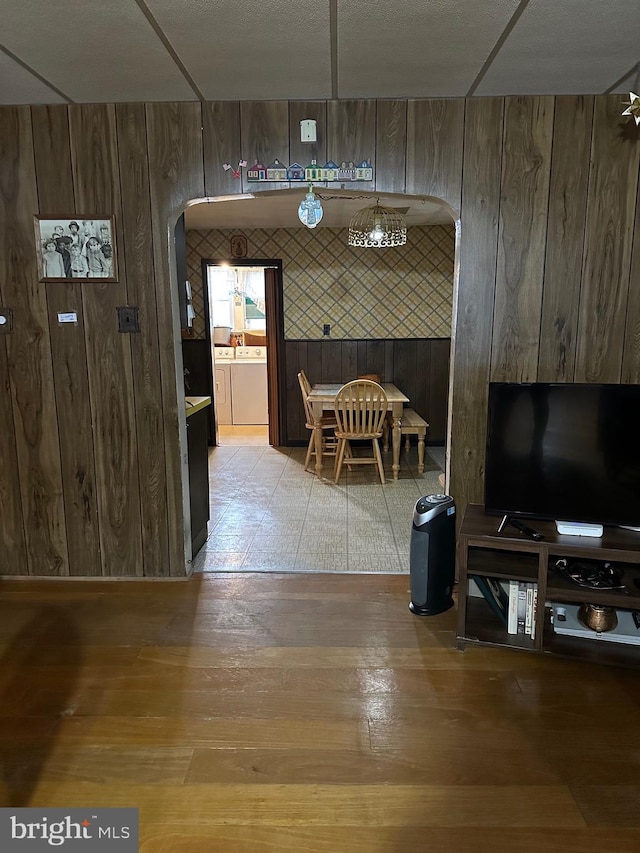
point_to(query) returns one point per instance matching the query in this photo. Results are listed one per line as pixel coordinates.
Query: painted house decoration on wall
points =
(257, 172)
(345, 172)
(276, 171)
(295, 172)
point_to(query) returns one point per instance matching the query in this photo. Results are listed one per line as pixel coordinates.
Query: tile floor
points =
(268, 514)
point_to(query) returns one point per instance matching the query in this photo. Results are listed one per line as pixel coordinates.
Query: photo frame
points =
(76, 248)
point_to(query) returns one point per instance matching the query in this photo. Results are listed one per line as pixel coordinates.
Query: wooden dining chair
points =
(327, 422)
(360, 408)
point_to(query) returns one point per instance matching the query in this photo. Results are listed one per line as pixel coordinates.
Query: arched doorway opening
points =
(229, 222)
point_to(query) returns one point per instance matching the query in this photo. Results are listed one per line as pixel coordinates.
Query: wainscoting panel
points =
(420, 368)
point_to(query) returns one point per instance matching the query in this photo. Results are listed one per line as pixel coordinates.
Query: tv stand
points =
(579, 528)
(513, 559)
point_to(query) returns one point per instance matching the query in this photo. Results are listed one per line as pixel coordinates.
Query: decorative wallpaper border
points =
(403, 292)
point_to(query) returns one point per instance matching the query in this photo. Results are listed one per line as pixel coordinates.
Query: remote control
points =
(528, 531)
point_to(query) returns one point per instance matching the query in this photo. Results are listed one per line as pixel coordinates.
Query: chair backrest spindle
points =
(360, 408)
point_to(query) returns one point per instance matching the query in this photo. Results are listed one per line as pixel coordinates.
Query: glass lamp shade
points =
(310, 211)
(378, 227)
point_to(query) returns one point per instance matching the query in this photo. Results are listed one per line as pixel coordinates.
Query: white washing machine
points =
(249, 399)
(223, 358)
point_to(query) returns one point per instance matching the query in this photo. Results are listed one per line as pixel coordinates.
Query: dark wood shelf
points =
(492, 562)
(616, 544)
(509, 555)
(484, 627)
(591, 650)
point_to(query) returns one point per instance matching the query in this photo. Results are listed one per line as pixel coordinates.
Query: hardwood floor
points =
(288, 713)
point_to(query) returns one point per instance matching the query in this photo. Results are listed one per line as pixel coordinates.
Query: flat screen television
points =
(566, 452)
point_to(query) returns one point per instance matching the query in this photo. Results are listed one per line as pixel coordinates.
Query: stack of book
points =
(515, 603)
(523, 605)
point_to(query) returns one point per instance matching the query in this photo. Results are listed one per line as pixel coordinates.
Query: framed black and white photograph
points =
(76, 248)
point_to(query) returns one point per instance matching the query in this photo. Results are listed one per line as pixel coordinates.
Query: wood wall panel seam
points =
(54, 173)
(95, 164)
(138, 254)
(566, 223)
(477, 256)
(29, 372)
(631, 357)
(607, 256)
(522, 237)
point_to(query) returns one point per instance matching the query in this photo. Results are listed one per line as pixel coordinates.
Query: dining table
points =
(322, 398)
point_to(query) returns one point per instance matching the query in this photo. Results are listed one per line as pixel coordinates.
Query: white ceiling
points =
(87, 51)
(110, 51)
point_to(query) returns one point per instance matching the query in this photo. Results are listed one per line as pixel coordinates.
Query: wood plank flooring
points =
(287, 713)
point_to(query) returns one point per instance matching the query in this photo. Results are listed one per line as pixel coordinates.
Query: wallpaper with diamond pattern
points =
(403, 292)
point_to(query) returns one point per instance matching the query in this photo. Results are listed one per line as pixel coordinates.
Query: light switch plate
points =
(128, 319)
(6, 321)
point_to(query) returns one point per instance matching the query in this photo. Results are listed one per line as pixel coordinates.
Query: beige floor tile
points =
(374, 562)
(268, 514)
(258, 561)
(229, 542)
(266, 541)
(371, 531)
(334, 543)
(217, 561)
(321, 527)
(320, 562)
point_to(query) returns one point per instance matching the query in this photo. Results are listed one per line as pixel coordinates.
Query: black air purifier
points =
(432, 555)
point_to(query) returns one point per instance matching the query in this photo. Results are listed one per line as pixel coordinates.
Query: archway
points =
(331, 197)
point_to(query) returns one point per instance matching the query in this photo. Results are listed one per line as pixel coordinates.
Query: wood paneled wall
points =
(545, 191)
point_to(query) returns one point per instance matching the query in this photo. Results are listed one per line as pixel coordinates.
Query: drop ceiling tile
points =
(416, 49)
(252, 50)
(94, 51)
(573, 47)
(19, 86)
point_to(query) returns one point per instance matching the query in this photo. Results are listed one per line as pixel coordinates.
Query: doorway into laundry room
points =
(237, 315)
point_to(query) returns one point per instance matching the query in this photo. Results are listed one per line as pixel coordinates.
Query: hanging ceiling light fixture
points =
(378, 227)
(310, 211)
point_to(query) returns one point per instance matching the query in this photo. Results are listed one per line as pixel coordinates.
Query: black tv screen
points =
(569, 452)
